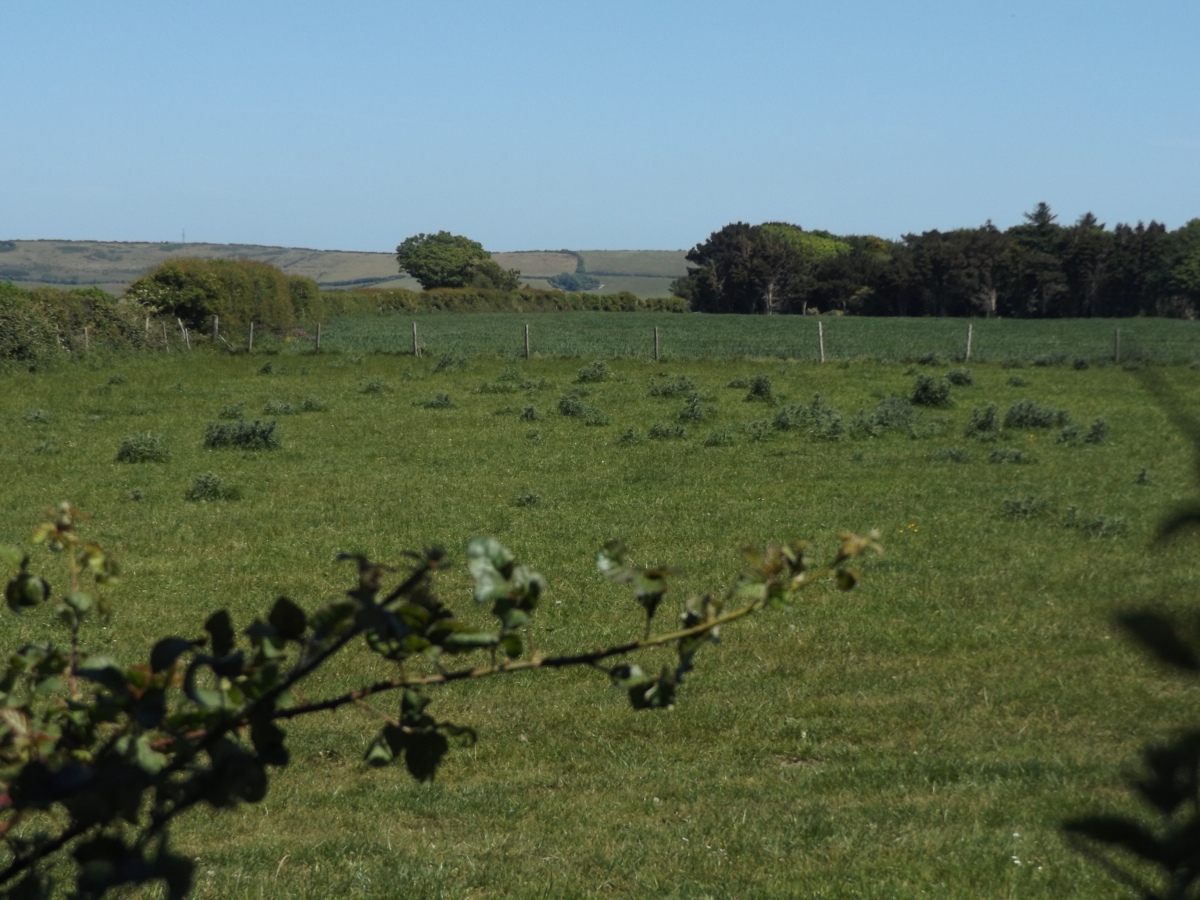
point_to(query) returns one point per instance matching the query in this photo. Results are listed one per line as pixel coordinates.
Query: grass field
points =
(921, 736)
(685, 336)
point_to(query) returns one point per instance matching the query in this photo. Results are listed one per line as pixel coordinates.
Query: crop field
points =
(922, 735)
(684, 336)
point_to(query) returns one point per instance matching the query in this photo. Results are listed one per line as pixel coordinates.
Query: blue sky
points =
(601, 125)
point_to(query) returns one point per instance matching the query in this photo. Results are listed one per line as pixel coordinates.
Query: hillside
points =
(113, 265)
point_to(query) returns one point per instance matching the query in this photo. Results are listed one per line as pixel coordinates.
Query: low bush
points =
(949, 454)
(1028, 414)
(960, 377)
(677, 386)
(696, 410)
(594, 371)
(760, 390)
(1009, 455)
(722, 437)
(662, 432)
(143, 448)
(1025, 507)
(241, 435)
(984, 423)
(1098, 433)
(441, 401)
(209, 486)
(929, 390)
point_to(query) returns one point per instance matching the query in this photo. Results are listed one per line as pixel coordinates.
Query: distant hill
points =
(113, 265)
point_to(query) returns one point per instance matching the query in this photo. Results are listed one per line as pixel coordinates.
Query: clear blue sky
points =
(601, 125)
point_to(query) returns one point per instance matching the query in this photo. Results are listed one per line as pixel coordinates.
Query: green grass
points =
(1031, 344)
(892, 741)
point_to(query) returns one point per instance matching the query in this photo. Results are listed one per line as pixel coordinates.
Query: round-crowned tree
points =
(450, 260)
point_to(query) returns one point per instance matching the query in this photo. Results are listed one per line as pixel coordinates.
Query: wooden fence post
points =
(166, 342)
(527, 340)
(85, 339)
(216, 328)
(1117, 345)
(250, 340)
(416, 346)
(656, 343)
(821, 340)
(318, 337)
(970, 329)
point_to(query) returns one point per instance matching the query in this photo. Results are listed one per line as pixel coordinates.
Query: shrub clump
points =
(593, 372)
(1025, 507)
(1009, 455)
(722, 437)
(278, 408)
(1095, 526)
(678, 386)
(930, 390)
(143, 448)
(449, 363)
(241, 435)
(960, 377)
(1098, 433)
(209, 486)
(696, 410)
(530, 414)
(892, 412)
(441, 401)
(375, 385)
(1028, 414)
(760, 390)
(950, 454)
(312, 404)
(232, 411)
(662, 432)
(572, 406)
(985, 423)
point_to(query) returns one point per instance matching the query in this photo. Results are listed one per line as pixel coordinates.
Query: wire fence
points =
(669, 336)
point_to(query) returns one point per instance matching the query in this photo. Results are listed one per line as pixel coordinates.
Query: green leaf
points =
(26, 590)
(513, 618)
(268, 739)
(288, 619)
(512, 645)
(78, 601)
(167, 651)
(379, 754)
(105, 671)
(610, 561)
(470, 640)
(423, 754)
(220, 630)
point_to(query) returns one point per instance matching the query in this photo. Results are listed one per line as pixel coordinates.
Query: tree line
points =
(1036, 269)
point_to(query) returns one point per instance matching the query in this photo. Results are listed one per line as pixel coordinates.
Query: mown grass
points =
(1017, 343)
(922, 735)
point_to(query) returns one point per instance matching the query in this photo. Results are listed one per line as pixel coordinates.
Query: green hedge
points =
(39, 324)
(361, 302)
